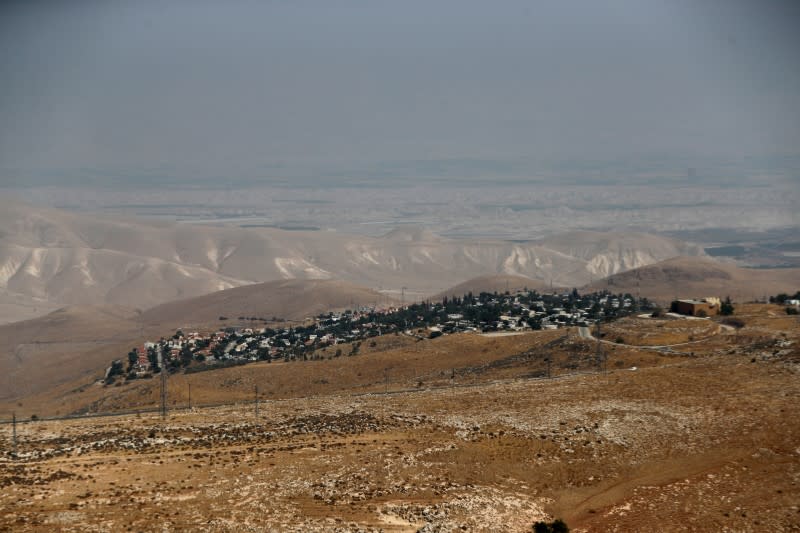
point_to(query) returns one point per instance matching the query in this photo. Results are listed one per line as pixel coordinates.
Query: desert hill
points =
(691, 277)
(79, 341)
(53, 257)
(65, 345)
(498, 283)
(285, 299)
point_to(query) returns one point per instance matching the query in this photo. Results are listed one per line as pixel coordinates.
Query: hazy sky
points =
(270, 87)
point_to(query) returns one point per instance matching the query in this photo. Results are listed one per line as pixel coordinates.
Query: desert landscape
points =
(389, 267)
(50, 258)
(699, 436)
(657, 423)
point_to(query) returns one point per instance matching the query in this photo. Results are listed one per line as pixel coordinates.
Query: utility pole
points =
(548, 362)
(190, 396)
(256, 394)
(14, 432)
(403, 296)
(163, 392)
(600, 357)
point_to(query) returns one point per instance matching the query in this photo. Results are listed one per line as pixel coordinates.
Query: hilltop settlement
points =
(259, 339)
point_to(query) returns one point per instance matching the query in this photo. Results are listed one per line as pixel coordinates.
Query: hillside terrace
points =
(486, 312)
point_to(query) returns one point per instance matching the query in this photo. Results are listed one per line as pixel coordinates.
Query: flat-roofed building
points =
(704, 307)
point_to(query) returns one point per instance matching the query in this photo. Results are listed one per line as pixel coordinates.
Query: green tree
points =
(186, 355)
(726, 309)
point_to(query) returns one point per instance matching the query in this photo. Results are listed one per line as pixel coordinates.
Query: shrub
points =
(792, 311)
(556, 526)
(737, 323)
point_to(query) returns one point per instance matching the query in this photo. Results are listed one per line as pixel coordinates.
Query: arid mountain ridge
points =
(50, 258)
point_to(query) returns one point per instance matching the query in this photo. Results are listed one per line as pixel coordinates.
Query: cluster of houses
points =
(320, 337)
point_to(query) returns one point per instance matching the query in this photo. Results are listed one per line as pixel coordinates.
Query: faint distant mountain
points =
(698, 277)
(411, 234)
(51, 258)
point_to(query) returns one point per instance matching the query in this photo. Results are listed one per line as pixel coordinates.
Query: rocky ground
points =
(708, 441)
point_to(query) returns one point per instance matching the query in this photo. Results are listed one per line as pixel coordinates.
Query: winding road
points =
(586, 333)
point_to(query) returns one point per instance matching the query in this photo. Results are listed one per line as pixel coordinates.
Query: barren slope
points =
(696, 277)
(497, 283)
(285, 299)
(66, 345)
